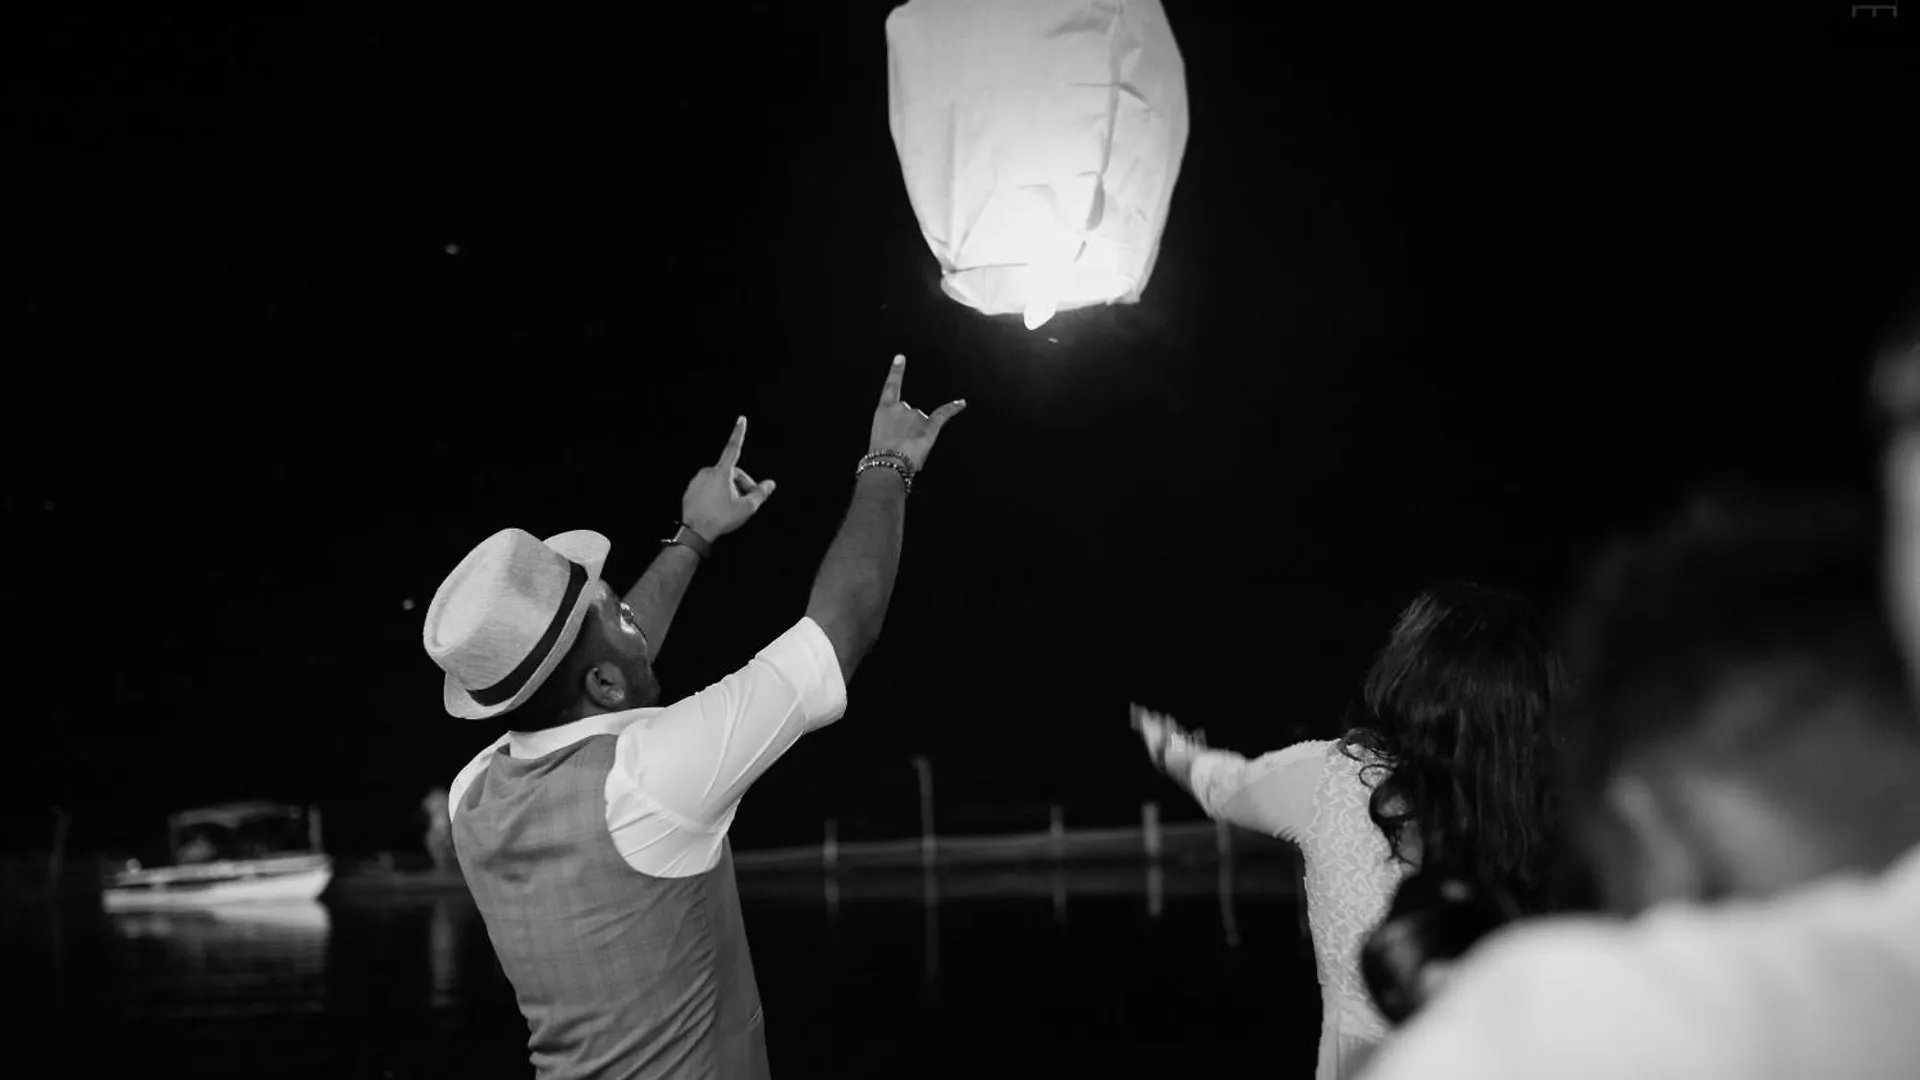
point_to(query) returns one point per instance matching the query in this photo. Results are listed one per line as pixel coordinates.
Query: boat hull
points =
(219, 884)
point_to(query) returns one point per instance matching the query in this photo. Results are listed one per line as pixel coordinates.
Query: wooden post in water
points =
(1223, 846)
(313, 828)
(56, 859)
(925, 770)
(1057, 837)
(1227, 921)
(930, 910)
(1059, 894)
(1150, 830)
(830, 856)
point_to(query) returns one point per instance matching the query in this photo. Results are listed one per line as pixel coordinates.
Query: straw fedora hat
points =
(502, 621)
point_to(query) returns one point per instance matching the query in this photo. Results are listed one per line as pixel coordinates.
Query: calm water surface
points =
(1037, 973)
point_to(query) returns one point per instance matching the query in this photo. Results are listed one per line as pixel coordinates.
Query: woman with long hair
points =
(1446, 764)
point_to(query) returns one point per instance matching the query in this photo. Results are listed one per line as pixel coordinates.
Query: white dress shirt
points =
(1820, 983)
(679, 771)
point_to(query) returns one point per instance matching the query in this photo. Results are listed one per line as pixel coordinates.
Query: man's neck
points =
(533, 744)
(1795, 852)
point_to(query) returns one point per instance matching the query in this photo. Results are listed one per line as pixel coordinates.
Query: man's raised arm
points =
(719, 499)
(855, 581)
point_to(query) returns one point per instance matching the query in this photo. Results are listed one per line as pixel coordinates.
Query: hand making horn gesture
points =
(721, 497)
(903, 428)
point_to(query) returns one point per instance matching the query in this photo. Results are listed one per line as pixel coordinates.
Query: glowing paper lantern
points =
(1040, 141)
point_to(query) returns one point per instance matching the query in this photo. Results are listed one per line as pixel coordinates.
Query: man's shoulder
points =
(1685, 966)
(1543, 997)
(1742, 990)
(465, 777)
(1550, 944)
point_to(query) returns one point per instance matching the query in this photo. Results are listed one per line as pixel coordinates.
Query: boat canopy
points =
(233, 815)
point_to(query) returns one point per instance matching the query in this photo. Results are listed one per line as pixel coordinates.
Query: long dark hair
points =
(1436, 917)
(1456, 712)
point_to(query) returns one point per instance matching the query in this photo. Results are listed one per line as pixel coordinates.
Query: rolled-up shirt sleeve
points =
(691, 762)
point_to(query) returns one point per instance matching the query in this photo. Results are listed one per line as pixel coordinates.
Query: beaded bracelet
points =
(891, 459)
(895, 455)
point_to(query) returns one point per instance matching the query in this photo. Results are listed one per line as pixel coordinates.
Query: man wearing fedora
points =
(593, 835)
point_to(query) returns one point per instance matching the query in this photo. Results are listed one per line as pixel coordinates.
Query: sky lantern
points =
(1040, 141)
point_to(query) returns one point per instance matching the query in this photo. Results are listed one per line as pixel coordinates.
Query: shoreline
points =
(1179, 852)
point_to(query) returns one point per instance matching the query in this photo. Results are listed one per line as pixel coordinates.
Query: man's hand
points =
(899, 426)
(721, 497)
(1169, 745)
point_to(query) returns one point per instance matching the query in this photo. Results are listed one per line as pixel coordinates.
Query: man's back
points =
(593, 835)
(618, 972)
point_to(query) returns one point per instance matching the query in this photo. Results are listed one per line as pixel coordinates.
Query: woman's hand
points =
(1170, 746)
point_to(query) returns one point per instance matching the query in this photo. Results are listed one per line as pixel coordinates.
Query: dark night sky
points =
(1443, 294)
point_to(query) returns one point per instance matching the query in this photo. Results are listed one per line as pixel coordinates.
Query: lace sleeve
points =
(1272, 793)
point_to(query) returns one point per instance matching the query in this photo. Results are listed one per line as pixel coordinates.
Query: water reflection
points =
(443, 949)
(407, 984)
(1227, 921)
(930, 905)
(251, 960)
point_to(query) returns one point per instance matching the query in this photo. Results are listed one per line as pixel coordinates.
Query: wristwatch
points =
(684, 533)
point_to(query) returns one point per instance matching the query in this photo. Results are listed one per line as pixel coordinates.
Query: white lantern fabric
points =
(1039, 141)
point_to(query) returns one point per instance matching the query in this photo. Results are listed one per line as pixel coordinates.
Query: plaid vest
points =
(619, 974)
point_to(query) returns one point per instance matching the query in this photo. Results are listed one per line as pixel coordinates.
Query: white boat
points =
(224, 855)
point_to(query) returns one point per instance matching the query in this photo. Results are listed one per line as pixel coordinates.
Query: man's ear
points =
(606, 685)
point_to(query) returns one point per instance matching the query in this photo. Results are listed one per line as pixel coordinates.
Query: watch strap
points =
(684, 533)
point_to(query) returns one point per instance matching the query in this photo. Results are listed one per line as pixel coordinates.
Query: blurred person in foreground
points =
(1448, 765)
(1740, 765)
(593, 835)
(1896, 402)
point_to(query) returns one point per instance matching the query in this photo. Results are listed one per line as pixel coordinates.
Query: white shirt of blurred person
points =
(1740, 764)
(1896, 400)
(1467, 676)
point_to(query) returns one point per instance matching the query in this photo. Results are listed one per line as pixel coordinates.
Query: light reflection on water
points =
(407, 985)
(232, 961)
(1224, 882)
(443, 951)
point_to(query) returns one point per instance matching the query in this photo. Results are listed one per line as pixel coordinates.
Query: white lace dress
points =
(1315, 796)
